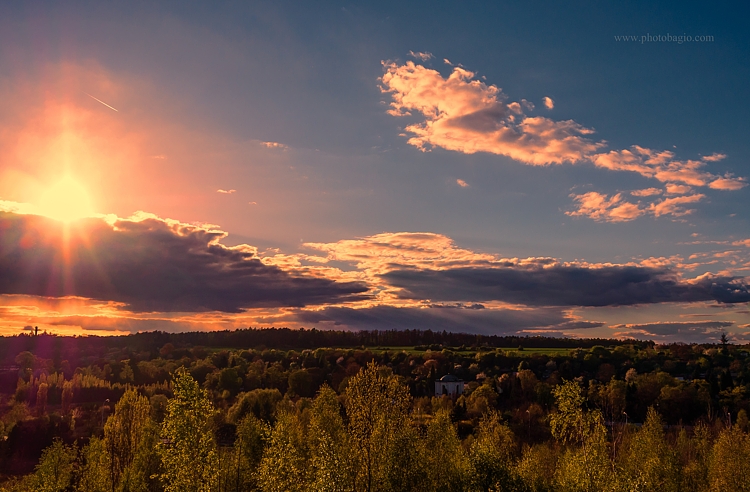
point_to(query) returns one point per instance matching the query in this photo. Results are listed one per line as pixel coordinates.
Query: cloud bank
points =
(150, 264)
(565, 285)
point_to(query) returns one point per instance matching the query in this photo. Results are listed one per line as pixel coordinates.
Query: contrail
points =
(95, 99)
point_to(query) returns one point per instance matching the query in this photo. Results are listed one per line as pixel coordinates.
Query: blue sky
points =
(287, 104)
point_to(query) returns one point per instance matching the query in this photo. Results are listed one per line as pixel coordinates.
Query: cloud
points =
(380, 253)
(662, 166)
(715, 157)
(545, 284)
(274, 145)
(449, 318)
(463, 114)
(675, 189)
(744, 242)
(675, 206)
(603, 208)
(150, 264)
(727, 183)
(470, 116)
(686, 331)
(421, 56)
(600, 207)
(462, 183)
(548, 102)
(226, 192)
(646, 192)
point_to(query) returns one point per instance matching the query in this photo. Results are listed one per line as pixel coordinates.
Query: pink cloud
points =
(602, 208)
(675, 206)
(469, 116)
(646, 192)
(715, 157)
(225, 192)
(461, 113)
(675, 189)
(462, 183)
(728, 183)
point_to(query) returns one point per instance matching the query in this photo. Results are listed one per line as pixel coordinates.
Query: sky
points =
(524, 168)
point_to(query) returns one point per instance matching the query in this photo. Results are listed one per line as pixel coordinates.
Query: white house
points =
(449, 385)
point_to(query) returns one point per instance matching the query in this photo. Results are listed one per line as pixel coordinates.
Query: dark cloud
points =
(564, 285)
(150, 265)
(684, 330)
(450, 318)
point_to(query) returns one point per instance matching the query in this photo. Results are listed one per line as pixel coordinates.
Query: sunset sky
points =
(482, 168)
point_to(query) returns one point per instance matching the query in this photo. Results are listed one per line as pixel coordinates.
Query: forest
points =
(298, 410)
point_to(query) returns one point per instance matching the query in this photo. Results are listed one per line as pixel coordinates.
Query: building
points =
(449, 385)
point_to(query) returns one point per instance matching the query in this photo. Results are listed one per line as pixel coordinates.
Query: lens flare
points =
(66, 200)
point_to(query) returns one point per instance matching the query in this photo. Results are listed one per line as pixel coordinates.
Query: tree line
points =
(370, 438)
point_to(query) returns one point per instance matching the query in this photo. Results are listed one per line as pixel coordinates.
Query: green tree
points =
(377, 407)
(123, 433)
(188, 447)
(332, 468)
(536, 469)
(585, 465)
(285, 461)
(650, 464)
(491, 455)
(447, 464)
(695, 455)
(249, 447)
(94, 473)
(730, 462)
(54, 472)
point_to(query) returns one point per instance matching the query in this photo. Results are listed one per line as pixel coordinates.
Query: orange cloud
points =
(675, 206)
(675, 189)
(470, 116)
(462, 183)
(728, 183)
(715, 157)
(463, 114)
(602, 208)
(646, 192)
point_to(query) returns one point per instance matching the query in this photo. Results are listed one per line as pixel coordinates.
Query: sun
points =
(66, 200)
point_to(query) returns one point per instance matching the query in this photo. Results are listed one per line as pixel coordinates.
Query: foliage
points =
(187, 447)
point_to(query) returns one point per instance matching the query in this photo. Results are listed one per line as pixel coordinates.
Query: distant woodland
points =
(301, 410)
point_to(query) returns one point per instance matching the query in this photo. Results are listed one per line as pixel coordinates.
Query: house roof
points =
(450, 378)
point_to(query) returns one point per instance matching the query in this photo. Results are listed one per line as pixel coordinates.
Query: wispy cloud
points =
(274, 145)
(422, 56)
(225, 192)
(646, 192)
(462, 183)
(687, 331)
